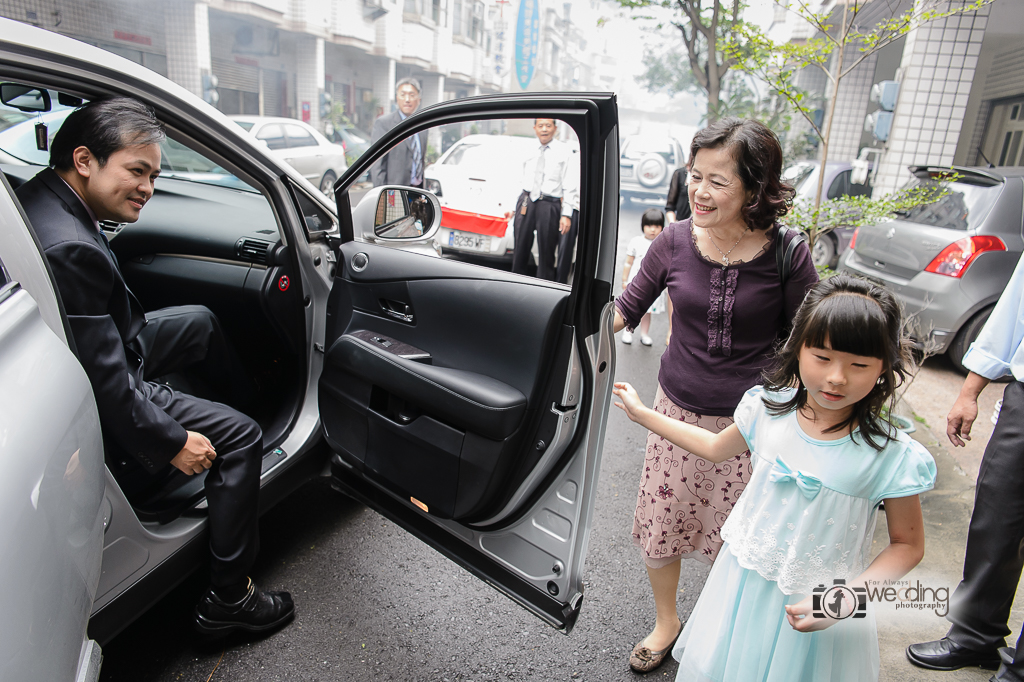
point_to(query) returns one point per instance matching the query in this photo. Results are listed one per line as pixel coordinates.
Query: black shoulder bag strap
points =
(784, 252)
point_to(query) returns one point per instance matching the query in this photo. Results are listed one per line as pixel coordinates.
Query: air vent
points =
(252, 250)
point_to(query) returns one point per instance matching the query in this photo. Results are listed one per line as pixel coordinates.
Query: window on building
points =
(553, 66)
(410, 7)
(457, 17)
(476, 27)
(435, 11)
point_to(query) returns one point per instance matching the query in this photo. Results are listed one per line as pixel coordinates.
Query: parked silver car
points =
(803, 176)
(318, 159)
(949, 261)
(646, 164)
(366, 371)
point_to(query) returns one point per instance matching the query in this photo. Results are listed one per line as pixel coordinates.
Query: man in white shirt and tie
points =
(547, 179)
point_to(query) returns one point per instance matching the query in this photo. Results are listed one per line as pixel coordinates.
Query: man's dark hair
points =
(104, 127)
(758, 157)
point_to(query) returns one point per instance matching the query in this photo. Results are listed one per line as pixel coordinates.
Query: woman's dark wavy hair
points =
(851, 316)
(758, 157)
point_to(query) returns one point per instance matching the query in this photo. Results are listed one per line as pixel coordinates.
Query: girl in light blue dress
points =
(783, 602)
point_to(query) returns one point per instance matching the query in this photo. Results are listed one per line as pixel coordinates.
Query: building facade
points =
(302, 58)
(961, 95)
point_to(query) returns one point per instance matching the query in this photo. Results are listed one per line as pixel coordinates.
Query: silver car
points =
(646, 165)
(485, 445)
(318, 159)
(803, 176)
(949, 261)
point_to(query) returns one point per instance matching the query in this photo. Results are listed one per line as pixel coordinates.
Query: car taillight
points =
(954, 260)
(853, 239)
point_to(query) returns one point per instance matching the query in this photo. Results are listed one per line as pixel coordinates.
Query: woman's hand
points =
(631, 403)
(801, 615)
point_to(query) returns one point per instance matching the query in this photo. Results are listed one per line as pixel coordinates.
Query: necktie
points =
(417, 161)
(134, 302)
(106, 243)
(538, 175)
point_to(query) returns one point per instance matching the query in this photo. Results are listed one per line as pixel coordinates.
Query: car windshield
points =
(356, 136)
(466, 154)
(964, 207)
(18, 143)
(797, 174)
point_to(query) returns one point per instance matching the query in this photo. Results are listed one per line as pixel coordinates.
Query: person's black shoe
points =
(945, 654)
(257, 611)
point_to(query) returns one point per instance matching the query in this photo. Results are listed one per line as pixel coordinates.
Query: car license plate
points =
(469, 241)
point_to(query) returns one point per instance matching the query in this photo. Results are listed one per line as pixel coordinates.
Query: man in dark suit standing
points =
(403, 165)
(104, 162)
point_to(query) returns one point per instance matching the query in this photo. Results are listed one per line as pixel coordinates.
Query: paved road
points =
(375, 604)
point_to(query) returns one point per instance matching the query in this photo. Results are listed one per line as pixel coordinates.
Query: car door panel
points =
(463, 410)
(468, 404)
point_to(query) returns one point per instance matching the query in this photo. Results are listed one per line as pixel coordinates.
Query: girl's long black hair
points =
(850, 316)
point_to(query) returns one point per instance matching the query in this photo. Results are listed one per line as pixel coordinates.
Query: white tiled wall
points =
(935, 76)
(851, 105)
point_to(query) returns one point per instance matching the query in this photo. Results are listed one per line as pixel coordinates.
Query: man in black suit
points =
(104, 162)
(403, 165)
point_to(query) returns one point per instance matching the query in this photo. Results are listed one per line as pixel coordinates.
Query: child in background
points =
(823, 461)
(652, 223)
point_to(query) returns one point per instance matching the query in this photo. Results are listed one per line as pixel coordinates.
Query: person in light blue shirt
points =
(980, 606)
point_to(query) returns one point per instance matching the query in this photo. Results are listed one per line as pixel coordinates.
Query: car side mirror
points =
(404, 213)
(375, 221)
(24, 97)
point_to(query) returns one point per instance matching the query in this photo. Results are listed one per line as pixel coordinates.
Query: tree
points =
(778, 64)
(704, 26)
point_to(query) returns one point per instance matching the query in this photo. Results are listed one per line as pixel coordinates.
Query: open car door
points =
(466, 403)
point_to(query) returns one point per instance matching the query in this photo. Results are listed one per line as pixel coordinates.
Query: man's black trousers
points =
(542, 218)
(980, 606)
(190, 336)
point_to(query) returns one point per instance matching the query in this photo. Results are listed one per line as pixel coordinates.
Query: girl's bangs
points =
(848, 323)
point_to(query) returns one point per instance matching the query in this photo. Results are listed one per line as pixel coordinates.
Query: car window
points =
(273, 135)
(18, 143)
(299, 136)
(964, 207)
(245, 125)
(840, 186)
(483, 174)
(636, 147)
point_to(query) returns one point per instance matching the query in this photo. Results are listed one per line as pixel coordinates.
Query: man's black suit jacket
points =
(395, 167)
(105, 318)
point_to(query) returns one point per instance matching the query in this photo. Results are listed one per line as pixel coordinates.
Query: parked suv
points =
(485, 445)
(948, 261)
(646, 165)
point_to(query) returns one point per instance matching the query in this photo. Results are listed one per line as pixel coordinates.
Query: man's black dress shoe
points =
(257, 611)
(945, 654)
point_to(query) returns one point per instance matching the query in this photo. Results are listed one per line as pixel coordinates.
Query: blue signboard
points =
(527, 41)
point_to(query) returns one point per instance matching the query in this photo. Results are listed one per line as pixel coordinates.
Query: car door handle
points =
(396, 309)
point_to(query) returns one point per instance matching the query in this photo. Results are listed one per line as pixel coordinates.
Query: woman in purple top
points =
(729, 306)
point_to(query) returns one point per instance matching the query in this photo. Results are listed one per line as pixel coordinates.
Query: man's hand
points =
(197, 455)
(965, 410)
(564, 224)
